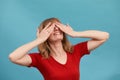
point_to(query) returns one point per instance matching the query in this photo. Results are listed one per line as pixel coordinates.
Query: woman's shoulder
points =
(81, 47)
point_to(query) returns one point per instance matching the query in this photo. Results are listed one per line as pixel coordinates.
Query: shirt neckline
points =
(59, 62)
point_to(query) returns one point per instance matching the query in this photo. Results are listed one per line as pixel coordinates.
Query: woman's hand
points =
(66, 29)
(20, 56)
(45, 33)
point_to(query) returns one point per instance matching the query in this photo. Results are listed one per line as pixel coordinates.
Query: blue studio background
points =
(19, 20)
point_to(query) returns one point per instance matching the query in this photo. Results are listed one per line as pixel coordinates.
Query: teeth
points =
(57, 33)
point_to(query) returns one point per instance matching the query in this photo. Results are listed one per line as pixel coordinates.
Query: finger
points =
(47, 26)
(57, 24)
(61, 26)
(37, 32)
(51, 28)
(69, 26)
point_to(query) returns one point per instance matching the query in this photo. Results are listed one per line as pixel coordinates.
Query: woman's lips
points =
(57, 33)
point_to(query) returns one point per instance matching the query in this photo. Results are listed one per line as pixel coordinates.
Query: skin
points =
(54, 34)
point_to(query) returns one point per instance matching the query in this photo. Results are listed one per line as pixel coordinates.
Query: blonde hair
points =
(44, 48)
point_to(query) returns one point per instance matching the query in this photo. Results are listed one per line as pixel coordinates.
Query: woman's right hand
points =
(20, 56)
(45, 33)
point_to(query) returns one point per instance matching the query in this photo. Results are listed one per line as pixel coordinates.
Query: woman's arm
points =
(97, 37)
(20, 56)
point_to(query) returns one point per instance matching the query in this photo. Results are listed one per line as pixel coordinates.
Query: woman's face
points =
(56, 35)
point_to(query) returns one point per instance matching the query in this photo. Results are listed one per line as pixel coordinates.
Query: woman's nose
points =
(56, 28)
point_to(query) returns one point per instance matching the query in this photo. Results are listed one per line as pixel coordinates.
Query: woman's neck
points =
(57, 48)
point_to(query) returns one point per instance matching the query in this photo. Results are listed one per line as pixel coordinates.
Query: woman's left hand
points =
(66, 29)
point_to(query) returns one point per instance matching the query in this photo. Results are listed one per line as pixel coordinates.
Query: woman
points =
(57, 59)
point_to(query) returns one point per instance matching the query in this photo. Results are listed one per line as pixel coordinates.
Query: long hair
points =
(44, 48)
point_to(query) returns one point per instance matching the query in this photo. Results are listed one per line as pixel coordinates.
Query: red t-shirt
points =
(53, 70)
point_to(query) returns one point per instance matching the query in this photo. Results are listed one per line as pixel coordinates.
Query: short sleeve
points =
(34, 57)
(81, 49)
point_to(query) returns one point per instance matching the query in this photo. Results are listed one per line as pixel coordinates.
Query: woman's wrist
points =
(38, 41)
(74, 34)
